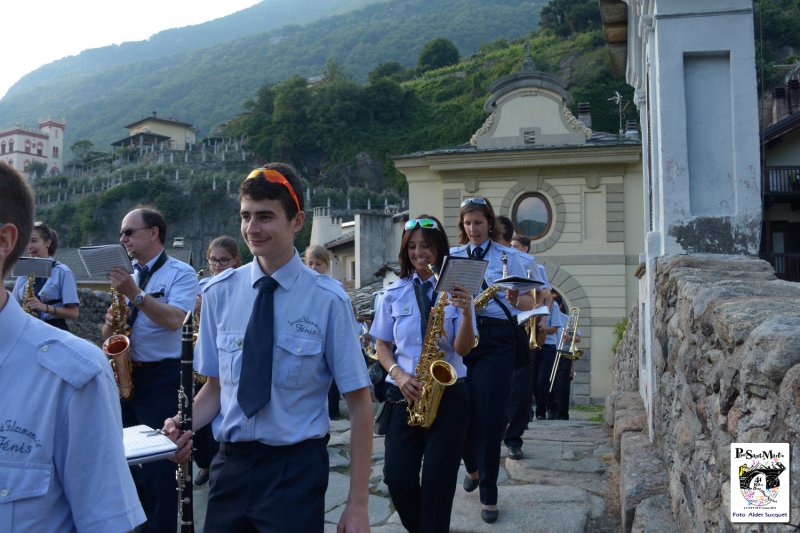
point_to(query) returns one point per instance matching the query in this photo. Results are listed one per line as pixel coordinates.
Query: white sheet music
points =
(143, 444)
(99, 260)
(461, 271)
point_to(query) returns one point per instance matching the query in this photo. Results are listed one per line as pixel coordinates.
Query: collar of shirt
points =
(482, 246)
(285, 275)
(152, 261)
(12, 326)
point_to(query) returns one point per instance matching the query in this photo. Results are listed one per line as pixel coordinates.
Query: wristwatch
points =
(139, 298)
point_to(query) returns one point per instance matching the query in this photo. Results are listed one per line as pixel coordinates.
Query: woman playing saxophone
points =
(423, 502)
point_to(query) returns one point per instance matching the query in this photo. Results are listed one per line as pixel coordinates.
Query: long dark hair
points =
(435, 237)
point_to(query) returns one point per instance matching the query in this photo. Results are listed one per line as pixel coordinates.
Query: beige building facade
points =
(576, 193)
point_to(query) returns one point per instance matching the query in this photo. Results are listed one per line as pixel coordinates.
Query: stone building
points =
(575, 192)
(158, 133)
(21, 145)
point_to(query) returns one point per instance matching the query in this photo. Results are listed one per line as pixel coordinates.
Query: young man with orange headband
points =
(269, 372)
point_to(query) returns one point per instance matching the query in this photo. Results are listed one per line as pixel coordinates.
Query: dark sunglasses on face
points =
(128, 232)
(422, 223)
(473, 201)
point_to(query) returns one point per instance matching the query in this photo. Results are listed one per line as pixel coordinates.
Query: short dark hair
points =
(16, 207)
(48, 234)
(228, 244)
(485, 208)
(436, 238)
(508, 227)
(523, 240)
(152, 217)
(259, 189)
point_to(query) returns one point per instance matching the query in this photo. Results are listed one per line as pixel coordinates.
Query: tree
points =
(36, 169)
(391, 70)
(81, 150)
(568, 17)
(438, 53)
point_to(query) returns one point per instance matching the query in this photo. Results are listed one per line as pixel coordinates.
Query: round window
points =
(532, 216)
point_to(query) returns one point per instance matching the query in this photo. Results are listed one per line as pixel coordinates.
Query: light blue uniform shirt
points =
(60, 287)
(178, 282)
(555, 318)
(315, 340)
(62, 463)
(533, 269)
(397, 321)
(495, 271)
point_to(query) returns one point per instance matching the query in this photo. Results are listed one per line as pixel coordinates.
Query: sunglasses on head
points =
(473, 201)
(273, 176)
(422, 223)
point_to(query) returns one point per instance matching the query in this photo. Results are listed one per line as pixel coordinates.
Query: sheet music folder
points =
(38, 267)
(461, 271)
(99, 260)
(144, 444)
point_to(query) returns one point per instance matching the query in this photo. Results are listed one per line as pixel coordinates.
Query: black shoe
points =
(201, 479)
(515, 453)
(490, 517)
(470, 484)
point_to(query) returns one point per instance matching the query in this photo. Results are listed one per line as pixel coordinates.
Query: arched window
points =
(532, 216)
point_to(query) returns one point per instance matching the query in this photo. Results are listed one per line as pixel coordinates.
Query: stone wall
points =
(93, 311)
(726, 352)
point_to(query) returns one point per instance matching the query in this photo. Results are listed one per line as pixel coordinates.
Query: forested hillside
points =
(206, 87)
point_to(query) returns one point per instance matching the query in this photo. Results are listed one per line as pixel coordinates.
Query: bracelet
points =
(392, 368)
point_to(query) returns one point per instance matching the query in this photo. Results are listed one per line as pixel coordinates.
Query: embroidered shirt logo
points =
(305, 325)
(17, 439)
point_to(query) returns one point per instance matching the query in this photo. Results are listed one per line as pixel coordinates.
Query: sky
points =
(47, 30)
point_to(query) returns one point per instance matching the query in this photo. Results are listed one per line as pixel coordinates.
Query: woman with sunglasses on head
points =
(491, 363)
(54, 299)
(424, 502)
(222, 253)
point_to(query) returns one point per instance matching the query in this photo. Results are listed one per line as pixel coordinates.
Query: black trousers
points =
(519, 406)
(256, 487)
(425, 502)
(155, 398)
(490, 367)
(552, 404)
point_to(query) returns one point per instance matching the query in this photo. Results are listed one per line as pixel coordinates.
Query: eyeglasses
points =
(428, 223)
(128, 232)
(222, 261)
(273, 176)
(473, 201)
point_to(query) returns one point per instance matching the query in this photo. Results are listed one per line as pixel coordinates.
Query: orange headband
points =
(273, 176)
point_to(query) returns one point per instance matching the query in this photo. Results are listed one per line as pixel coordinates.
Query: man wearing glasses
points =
(63, 462)
(159, 293)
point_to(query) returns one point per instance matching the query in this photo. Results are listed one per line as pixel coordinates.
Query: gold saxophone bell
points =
(118, 350)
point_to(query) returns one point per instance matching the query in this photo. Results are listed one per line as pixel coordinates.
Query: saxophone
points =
(433, 372)
(118, 346)
(27, 295)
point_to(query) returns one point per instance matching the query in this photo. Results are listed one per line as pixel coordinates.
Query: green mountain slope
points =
(207, 87)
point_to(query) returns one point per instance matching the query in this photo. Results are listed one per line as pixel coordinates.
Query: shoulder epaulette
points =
(69, 359)
(330, 284)
(219, 277)
(402, 282)
(458, 248)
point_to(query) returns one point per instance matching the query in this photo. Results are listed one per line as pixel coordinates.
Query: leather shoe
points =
(490, 517)
(471, 484)
(515, 453)
(201, 479)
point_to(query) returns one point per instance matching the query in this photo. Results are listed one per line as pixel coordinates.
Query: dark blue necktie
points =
(424, 302)
(477, 253)
(255, 378)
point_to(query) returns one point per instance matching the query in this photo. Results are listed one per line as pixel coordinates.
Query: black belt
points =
(153, 364)
(254, 446)
(485, 321)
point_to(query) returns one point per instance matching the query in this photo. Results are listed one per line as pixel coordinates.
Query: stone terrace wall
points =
(727, 357)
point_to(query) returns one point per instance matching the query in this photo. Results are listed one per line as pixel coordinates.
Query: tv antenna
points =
(618, 99)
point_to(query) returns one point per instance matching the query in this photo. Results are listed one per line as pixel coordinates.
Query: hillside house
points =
(158, 133)
(20, 145)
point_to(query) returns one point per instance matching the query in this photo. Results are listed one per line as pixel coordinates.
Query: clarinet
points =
(185, 396)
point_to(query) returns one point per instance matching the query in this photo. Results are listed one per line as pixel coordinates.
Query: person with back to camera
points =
(424, 501)
(62, 459)
(54, 299)
(490, 365)
(269, 372)
(222, 254)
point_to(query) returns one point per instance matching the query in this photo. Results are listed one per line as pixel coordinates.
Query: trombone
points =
(573, 352)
